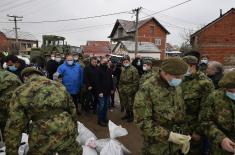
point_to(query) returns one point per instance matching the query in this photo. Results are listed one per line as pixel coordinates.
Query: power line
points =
(173, 17)
(174, 6)
(74, 19)
(15, 6)
(77, 29)
(7, 4)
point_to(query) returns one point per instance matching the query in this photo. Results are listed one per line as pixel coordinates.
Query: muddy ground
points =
(132, 141)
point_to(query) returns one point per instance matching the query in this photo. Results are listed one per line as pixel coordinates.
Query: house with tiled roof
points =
(96, 48)
(149, 30)
(25, 41)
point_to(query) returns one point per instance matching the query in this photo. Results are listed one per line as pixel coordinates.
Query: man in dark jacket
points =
(105, 91)
(138, 64)
(52, 66)
(91, 81)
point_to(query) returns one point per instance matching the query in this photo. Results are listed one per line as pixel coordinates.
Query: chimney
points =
(221, 12)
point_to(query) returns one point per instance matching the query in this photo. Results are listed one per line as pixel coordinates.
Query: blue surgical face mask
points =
(231, 95)
(204, 61)
(70, 62)
(12, 68)
(175, 82)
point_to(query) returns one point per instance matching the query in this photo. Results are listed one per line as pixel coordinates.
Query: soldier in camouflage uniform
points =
(9, 82)
(148, 71)
(159, 111)
(196, 87)
(217, 116)
(44, 109)
(128, 86)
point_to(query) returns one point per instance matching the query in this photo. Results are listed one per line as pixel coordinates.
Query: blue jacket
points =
(72, 77)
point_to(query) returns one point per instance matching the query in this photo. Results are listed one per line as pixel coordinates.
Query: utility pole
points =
(16, 19)
(136, 11)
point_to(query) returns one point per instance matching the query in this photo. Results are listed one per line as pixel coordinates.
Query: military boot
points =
(131, 117)
(127, 115)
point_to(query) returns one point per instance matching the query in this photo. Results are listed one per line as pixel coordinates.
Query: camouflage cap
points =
(228, 81)
(174, 66)
(148, 62)
(190, 59)
(126, 57)
(30, 70)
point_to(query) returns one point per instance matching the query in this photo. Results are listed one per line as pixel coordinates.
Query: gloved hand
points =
(182, 140)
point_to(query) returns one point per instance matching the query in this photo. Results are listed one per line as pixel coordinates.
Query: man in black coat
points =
(52, 65)
(105, 91)
(91, 82)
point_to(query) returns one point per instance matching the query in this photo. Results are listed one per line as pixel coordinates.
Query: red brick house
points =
(149, 30)
(217, 39)
(4, 44)
(97, 48)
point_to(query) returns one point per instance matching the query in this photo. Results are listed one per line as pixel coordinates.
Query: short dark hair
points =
(68, 54)
(12, 58)
(93, 58)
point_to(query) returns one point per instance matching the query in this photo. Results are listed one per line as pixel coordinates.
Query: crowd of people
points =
(181, 105)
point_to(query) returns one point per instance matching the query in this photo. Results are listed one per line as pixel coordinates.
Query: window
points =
(158, 41)
(151, 30)
(29, 45)
(120, 32)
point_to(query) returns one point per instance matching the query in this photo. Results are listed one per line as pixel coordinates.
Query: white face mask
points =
(126, 65)
(57, 59)
(144, 68)
(5, 66)
(70, 62)
(204, 61)
(52, 58)
(188, 73)
(75, 58)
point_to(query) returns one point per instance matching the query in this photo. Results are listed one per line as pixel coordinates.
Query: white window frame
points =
(158, 41)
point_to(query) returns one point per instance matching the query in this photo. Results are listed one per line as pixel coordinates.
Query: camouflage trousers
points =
(153, 147)
(127, 101)
(3, 119)
(72, 149)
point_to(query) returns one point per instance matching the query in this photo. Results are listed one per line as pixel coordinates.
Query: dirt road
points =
(132, 141)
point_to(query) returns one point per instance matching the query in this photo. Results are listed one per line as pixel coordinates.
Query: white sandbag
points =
(101, 143)
(2, 150)
(24, 147)
(88, 151)
(91, 143)
(112, 148)
(116, 131)
(84, 134)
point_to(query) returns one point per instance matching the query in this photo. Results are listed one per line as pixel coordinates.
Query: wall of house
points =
(218, 40)
(4, 45)
(146, 36)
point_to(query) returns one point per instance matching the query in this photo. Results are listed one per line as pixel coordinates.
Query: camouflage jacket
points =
(49, 106)
(145, 77)
(217, 120)
(8, 83)
(159, 109)
(129, 80)
(196, 89)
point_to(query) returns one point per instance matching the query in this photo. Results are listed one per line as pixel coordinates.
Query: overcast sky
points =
(191, 15)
